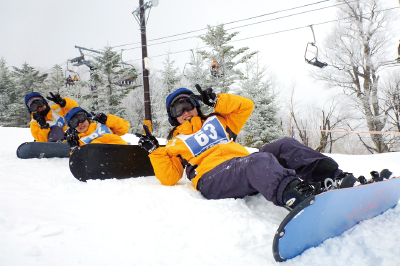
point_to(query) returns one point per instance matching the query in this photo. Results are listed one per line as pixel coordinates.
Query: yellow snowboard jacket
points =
(107, 134)
(54, 117)
(201, 145)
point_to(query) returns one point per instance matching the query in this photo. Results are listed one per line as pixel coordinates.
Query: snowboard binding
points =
(346, 180)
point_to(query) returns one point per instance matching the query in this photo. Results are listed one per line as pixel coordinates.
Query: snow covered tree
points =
(223, 58)
(170, 79)
(391, 94)
(7, 95)
(195, 72)
(55, 82)
(356, 49)
(26, 80)
(110, 82)
(262, 126)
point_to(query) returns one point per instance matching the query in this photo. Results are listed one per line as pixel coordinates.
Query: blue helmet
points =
(72, 112)
(31, 97)
(175, 96)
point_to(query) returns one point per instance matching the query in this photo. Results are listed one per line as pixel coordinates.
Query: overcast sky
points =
(44, 32)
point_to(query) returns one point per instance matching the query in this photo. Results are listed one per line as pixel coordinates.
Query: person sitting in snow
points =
(48, 124)
(100, 128)
(285, 172)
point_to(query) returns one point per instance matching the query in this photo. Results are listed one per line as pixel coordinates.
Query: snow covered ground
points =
(47, 218)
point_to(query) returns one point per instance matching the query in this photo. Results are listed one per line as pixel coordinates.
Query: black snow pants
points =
(267, 172)
(56, 133)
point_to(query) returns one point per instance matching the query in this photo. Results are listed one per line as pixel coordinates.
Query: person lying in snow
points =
(48, 123)
(85, 129)
(285, 172)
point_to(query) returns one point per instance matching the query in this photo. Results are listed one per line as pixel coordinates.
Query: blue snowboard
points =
(330, 214)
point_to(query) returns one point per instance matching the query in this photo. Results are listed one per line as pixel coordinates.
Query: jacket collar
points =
(91, 129)
(189, 127)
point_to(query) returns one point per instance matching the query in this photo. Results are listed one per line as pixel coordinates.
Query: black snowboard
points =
(106, 161)
(29, 150)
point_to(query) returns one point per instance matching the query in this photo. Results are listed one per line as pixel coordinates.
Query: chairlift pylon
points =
(313, 49)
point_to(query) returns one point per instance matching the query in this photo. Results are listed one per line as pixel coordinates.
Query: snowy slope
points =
(49, 218)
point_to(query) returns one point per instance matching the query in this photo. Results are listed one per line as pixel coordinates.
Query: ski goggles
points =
(78, 118)
(36, 105)
(186, 104)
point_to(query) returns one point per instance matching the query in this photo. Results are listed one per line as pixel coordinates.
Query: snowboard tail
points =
(330, 214)
(107, 161)
(29, 150)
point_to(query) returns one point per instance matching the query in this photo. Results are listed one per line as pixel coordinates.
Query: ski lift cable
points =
(272, 13)
(295, 14)
(271, 33)
(262, 35)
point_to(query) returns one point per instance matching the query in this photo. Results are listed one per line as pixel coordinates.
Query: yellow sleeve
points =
(69, 104)
(118, 125)
(168, 170)
(235, 109)
(40, 135)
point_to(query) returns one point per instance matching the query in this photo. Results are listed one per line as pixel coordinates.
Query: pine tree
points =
(26, 80)
(55, 82)
(170, 80)
(262, 127)
(196, 73)
(225, 57)
(110, 81)
(7, 94)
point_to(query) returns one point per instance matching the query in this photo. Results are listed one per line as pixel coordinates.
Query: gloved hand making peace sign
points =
(208, 97)
(57, 99)
(148, 141)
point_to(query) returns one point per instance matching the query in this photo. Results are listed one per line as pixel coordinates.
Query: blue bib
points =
(212, 133)
(100, 130)
(57, 120)
(60, 122)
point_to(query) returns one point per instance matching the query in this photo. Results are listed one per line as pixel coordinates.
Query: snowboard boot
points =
(295, 192)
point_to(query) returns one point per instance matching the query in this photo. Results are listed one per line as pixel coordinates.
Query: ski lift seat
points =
(317, 63)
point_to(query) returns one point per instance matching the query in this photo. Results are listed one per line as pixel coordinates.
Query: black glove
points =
(72, 138)
(41, 121)
(57, 99)
(100, 117)
(148, 141)
(208, 97)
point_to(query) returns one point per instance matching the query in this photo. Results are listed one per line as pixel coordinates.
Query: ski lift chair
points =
(313, 61)
(216, 69)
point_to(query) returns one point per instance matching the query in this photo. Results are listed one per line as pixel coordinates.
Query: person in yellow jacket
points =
(85, 129)
(48, 123)
(285, 172)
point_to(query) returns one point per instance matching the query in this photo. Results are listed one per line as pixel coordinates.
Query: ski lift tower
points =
(140, 17)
